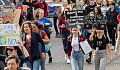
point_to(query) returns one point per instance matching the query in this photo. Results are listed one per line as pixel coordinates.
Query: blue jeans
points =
(42, 62)
(64, 36)
(77, 57)
(33, 64)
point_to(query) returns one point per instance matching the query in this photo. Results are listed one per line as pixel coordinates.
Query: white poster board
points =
(9, 34)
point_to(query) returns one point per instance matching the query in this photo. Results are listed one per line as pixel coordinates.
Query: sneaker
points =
(66, 57)
(88, 61)
(50, 60)
(68, 61)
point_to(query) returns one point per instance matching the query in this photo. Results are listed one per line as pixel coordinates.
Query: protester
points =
(16, 50)
(3, 10)
(97, 11)
(74, 49)
(31, 41)
(104, 7)
(64, 33)
(112, 23)
(12, 6)
(80, 5)
(38, 15)
(36, 26)
(100, 41)
(42, 4)
(99, 2)
(18, 5)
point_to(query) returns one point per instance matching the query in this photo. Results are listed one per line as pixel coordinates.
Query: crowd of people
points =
(35, 35)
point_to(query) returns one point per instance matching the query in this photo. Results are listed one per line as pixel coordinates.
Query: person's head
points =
(1, 21)
(112, 5)
(2, 8)
(91, 13)
(91, 2)
(99, 31)
(36, 25)
(26, 27)
(12, 62)
(81, 2)
(65, 3)
(13, 50)
(16, 1)
(97, 11)
(12, 5)
(39, 13)
(7, 22)
(74, 31)
(99, 1)
(105, 3)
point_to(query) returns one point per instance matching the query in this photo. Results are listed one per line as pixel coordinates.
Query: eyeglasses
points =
(9, 49)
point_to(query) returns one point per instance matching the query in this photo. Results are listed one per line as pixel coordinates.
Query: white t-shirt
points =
(75, 43)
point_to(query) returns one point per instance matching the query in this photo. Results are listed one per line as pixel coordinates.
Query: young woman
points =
(64, 33)
(31, 41)
(100, 42)
(104, 7)
(39, 17)
(18, 5)
(36, 26)
(74, 49)
(97, 11)
(10, 50)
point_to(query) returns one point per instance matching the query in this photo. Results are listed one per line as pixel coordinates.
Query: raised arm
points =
(92, 34)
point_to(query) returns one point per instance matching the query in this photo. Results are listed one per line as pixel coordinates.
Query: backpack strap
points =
(95, 38)
(105, 37)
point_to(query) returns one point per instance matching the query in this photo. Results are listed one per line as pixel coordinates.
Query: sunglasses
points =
(9, 49)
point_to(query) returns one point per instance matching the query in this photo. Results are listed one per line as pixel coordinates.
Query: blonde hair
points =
(26, 22)
(36, 13)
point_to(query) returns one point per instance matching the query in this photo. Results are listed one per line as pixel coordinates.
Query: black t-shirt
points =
(100, 43)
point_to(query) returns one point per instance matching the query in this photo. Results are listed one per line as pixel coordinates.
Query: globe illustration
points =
(3, 40)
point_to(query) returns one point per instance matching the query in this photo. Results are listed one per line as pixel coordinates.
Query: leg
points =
(80, 60)
(109, 31)
(55, 24)
(113, 35)
(29, 64)
(36, 64)
(102, 63)
(50, 58)
(96, 61)
(73, 60)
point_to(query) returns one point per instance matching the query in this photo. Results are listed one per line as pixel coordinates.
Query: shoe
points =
(112, 47)
(88, 61)
(68, 61)
(66, 57)
(50, 60)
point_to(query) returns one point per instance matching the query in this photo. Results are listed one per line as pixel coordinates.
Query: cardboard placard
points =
(9, 34)
(98, 22)
(15, 14)
(7, 17)
(25, 8)
(74, 18)
(52, 9)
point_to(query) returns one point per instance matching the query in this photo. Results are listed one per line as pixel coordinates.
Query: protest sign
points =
(15, 14)
(74, 18)
(52, 9)
(98, 22)
(7, 17)
(9, 34)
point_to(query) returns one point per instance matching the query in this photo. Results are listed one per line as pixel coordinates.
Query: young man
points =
(112, 22)
(3, 10)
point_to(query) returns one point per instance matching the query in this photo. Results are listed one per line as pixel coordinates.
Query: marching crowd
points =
(35, 34)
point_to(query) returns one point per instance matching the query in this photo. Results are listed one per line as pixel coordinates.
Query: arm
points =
(46, 40)
(92, 34)
(60, 23)
(109, 48)
(48, 22)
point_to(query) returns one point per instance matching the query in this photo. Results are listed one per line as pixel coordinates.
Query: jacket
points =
(35, 40)
(112, 17)
(69, 47)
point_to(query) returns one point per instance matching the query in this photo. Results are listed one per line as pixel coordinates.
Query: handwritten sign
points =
(74, 18)
(7, 17)
(98, 22)
(52, 9)
(9, 34)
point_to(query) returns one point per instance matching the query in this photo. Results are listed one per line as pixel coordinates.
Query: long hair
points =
(40, 26)
(99, 13)
(36, 13)
(26, 22)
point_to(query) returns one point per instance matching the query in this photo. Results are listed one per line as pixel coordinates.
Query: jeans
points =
(33, 64)
(42, 62)
(77, 57)
(64, 36)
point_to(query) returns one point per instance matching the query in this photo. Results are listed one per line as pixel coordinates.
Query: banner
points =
(52, 9)
(7, 17)
(98, 22)
(9, 34)
(74, 18)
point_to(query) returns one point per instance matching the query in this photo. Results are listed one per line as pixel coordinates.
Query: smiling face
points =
(91, 2)
(27, 29)
(41, 13)
(105, 3)
(10, 50)
(12, 65)
(75, 31)
(2, 9)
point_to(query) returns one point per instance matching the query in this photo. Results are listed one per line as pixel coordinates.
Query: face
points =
(99, 1)
(99, 31)
(34, 27)
(111, 6)
(12, 5)
(16, 1)
(104, 3)
(12, 65)
(10, 50)
(41, 13)
(1, 22)
(91, 2)
(65, 3)
(2, 9)
(81, 3)
(75, 31)
(27, 29)
(96, 10)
